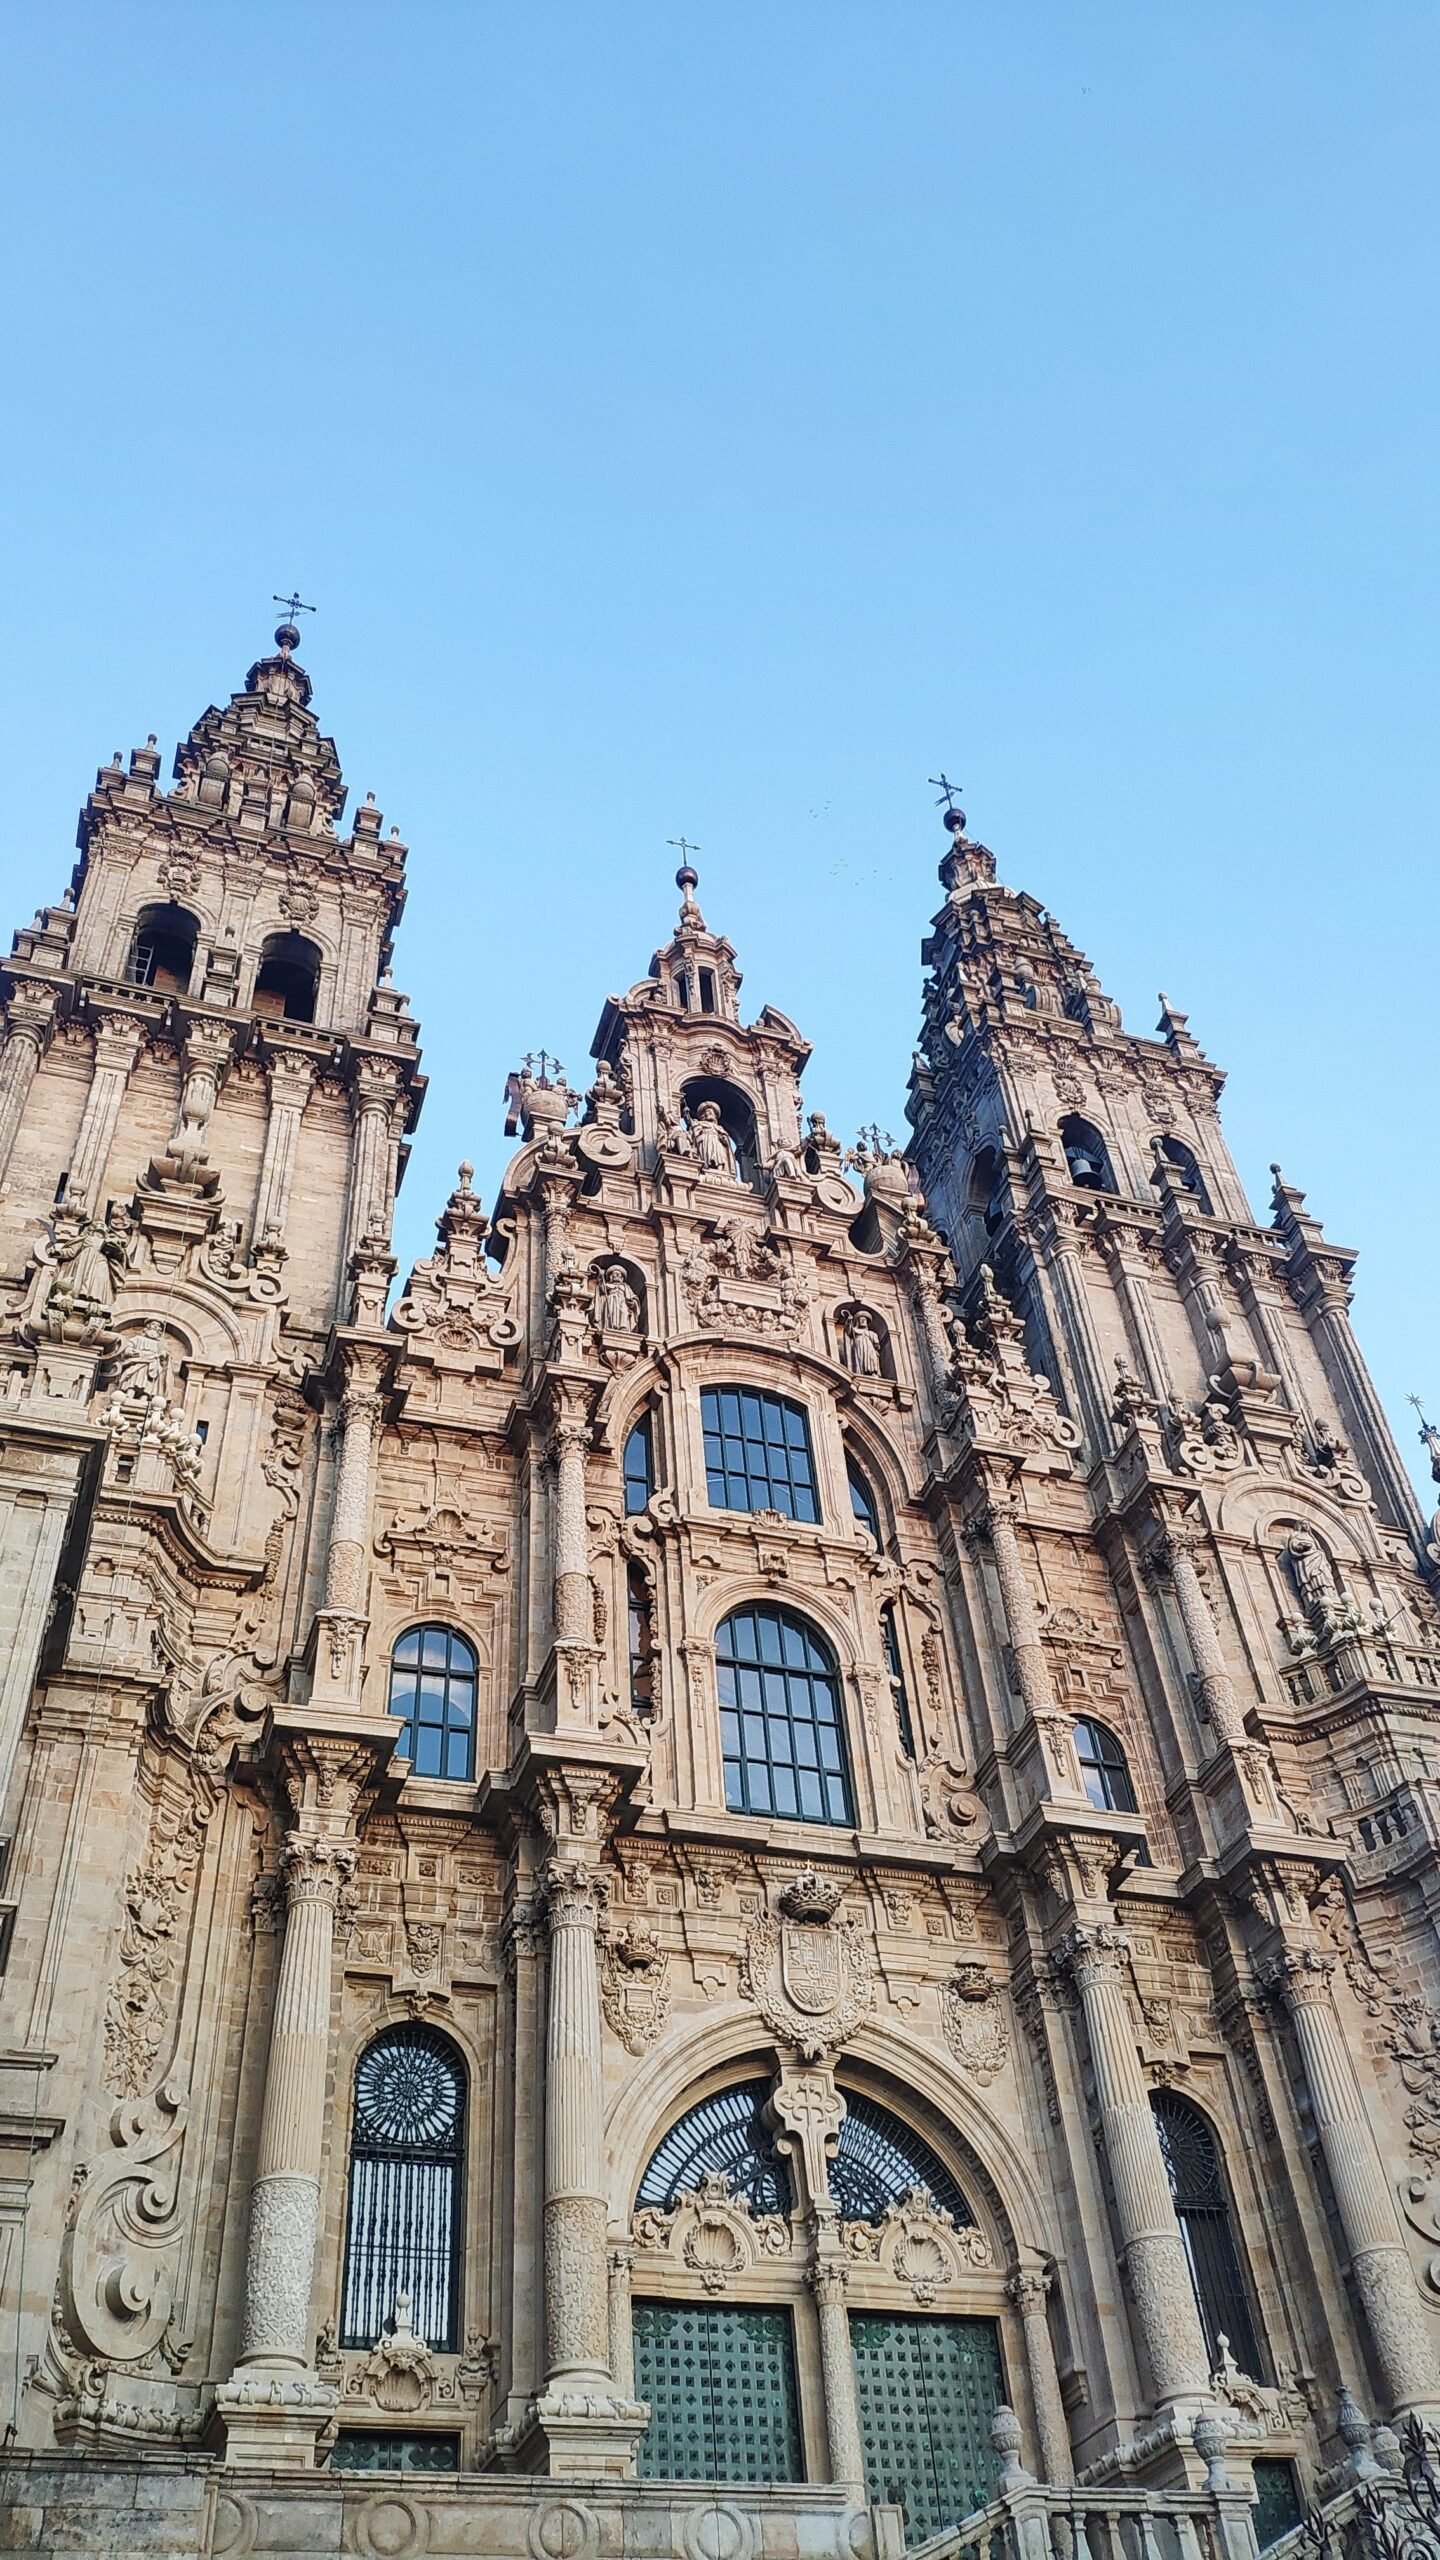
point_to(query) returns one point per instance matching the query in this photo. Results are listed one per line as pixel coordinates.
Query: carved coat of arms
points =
(809, 1973)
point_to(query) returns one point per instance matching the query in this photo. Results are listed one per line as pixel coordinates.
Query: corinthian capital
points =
(1300, 1976)
(574, 1893)
(315, 1870)
(1093, 1955)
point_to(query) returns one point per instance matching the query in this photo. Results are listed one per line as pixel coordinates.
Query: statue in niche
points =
(614, 1307)
(678, 1140)
(713, 1149)
(141, 1372)
(90, 1265)
(862, 1343)
(787, 1166)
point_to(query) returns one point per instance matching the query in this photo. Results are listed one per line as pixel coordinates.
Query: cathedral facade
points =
(750, 1871)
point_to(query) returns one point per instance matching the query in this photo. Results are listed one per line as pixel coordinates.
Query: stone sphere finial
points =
(954, 822)
(287, 638)
(687, 878)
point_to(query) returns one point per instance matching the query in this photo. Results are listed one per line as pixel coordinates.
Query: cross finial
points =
(947, 789)
(683, 846)
(288, 636)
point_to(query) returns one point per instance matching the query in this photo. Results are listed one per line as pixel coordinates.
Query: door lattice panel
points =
(928, 2390)
(721, 2388)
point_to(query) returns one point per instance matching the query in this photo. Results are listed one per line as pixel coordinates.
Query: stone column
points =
(574, 1602)
(337, 1649)
(1217, 1689)
(285, 2197)
(619, 2263)
(1032, 1668)
(371, 1200)
(1085, 1364)
(926, 1299)
(27, 1028)
(1379, 2260)
(1028, 2288)
(577, 2328)
(1150, 2242)
(830, 2283)
(117, 1045)
(290, 1073)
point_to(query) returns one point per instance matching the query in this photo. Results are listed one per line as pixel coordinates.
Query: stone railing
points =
(1041, 2523)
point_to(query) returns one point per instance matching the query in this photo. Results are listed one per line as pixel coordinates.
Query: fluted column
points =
(372, 1199)
(576, 2273)
(1150, 2242)
(830, 2284)
(1032, 1668)
(117, 1044)
(1028, 2288)
(27, 1028)
(1217, 1689)
(1379, 2260)
(926, 1298)
(574, 1604)
(290, 1074)
(360, 1407)
(285, 2196)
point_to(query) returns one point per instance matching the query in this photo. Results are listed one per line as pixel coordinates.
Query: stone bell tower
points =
(207, 1019)
(1239, 1515)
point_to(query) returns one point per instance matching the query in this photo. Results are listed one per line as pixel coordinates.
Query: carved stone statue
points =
(90, 1263)
(614, 1307)
(862, 1343)
(713, 1149)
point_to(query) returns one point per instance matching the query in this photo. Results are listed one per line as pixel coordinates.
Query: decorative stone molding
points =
(810, 1973)
(634, 1990)
(120, 2255)
(976, 2028)
(919, 2244)
(713, 2232)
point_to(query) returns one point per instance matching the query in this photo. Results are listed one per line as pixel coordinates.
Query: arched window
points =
(895, 1670)
(402, 2225)
(1087, 1157)
(1187, 1165)
(757, 1453)
(432, 1685)
(987, 1174)
(725, 2136)
(639, 1464)
(862, 1503)
(162, 954)
(287, 982)
(879, 2159)
(780, 1728)
(1202, 2209)
(1104, 1768)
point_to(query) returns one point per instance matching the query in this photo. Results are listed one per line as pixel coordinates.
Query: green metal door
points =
(721, 2388)
(928, 2390)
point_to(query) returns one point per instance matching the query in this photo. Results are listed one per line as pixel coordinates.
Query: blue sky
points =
(714, 419)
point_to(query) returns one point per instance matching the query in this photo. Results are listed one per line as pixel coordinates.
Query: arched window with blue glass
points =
(757, 1453)
(638, 1466)
(862, 1502)
(781, 1731)
(432, 1688)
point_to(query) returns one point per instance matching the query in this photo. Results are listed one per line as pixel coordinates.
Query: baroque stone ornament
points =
(713, 2232)
(118, 2267)
(634, 1991)
(809, 1971)
(918, 2243)
(976, 2028)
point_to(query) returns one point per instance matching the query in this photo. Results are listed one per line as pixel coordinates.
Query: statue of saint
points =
(614, 1306)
